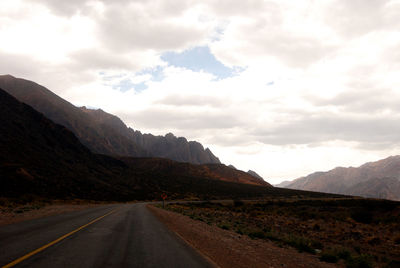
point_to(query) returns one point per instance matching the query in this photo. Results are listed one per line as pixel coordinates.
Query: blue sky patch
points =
(127, 84)
(156, 73)
(200, 59)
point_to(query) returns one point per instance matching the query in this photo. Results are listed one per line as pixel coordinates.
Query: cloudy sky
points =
(281, 87)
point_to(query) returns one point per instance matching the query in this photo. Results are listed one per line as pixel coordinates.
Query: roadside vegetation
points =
(353, 232)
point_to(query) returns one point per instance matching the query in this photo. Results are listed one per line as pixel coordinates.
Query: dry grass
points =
(358, 232)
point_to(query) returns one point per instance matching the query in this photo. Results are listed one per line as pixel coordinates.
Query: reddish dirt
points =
(229, 249)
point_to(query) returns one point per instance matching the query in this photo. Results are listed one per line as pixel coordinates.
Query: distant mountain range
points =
(379, 179)
(102, 132)
(39, 158)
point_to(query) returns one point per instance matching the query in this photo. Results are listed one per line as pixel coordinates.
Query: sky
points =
(284, 88)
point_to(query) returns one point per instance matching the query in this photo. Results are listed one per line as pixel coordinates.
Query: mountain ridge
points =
(371, 179)
(41, 158)
(102, 132)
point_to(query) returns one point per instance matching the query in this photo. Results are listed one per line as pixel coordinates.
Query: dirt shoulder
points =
(229, 249)
(29, 211)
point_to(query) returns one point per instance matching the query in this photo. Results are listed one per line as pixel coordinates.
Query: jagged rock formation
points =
(102, 132)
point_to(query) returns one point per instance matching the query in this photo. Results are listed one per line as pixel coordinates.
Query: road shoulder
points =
(228, 249)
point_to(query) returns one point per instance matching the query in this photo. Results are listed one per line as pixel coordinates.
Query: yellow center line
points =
(30, 254)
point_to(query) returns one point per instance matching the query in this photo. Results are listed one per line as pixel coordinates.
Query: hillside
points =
(102, 132)
(176, 169)
(39, 158)
(380, 179)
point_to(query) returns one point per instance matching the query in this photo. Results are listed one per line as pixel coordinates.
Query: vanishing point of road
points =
(127, 235)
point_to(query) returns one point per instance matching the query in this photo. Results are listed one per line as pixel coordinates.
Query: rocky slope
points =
(39, 158)
(379, 179)
(102, 132)
(168, 146)
(254, 174)
(177, 169)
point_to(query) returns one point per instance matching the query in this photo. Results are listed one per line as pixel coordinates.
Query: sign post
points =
(163, 196)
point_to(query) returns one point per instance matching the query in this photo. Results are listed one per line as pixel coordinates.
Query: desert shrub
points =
(257, 234)
(329, 257)
(239, 231)
(362, 216)
(317, 244)
(343, 253)
(373, 241)
(302, 244)
(272, 236)
(357, 249)
(392, 264)
(333, 255)
(397, 240)
(238, 203)
(360, 261)
(224, 226)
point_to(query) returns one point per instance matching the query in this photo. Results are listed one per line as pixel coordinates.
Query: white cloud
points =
(320, 84)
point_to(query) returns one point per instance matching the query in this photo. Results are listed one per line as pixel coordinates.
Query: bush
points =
(335, 254)
(317, 245)
(257, 234)
(343, 253)
(329, 257)
(239, 231)
(223, 226)
(300, 243)
(361, 261)
(362, 216)
(397, 240)
(238, 203)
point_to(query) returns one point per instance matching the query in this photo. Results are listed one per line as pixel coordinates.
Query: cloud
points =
(101, 59)
(318, 78)
(196, 100)
(325, 128)
(354, 18)
(132, 28)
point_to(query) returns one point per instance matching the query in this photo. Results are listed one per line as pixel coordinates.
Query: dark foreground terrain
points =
(117, 236)
(350, 232)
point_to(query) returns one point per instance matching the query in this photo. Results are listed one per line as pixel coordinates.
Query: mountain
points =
(102, 132)
(176, 169)
(283, 184)
(254, 174)
(168, 146)
(39, 158)
(379, 179)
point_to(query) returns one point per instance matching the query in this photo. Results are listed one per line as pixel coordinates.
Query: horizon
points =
(284, 89)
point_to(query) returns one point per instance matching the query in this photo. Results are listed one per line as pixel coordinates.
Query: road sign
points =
(163, 196)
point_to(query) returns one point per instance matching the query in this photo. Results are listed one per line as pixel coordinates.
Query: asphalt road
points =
(128, 236)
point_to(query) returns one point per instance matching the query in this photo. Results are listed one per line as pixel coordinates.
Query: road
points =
(126, 235)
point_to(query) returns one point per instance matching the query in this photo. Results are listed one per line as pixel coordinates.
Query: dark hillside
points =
(102, 132)
(40, 159)
(100, 138)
